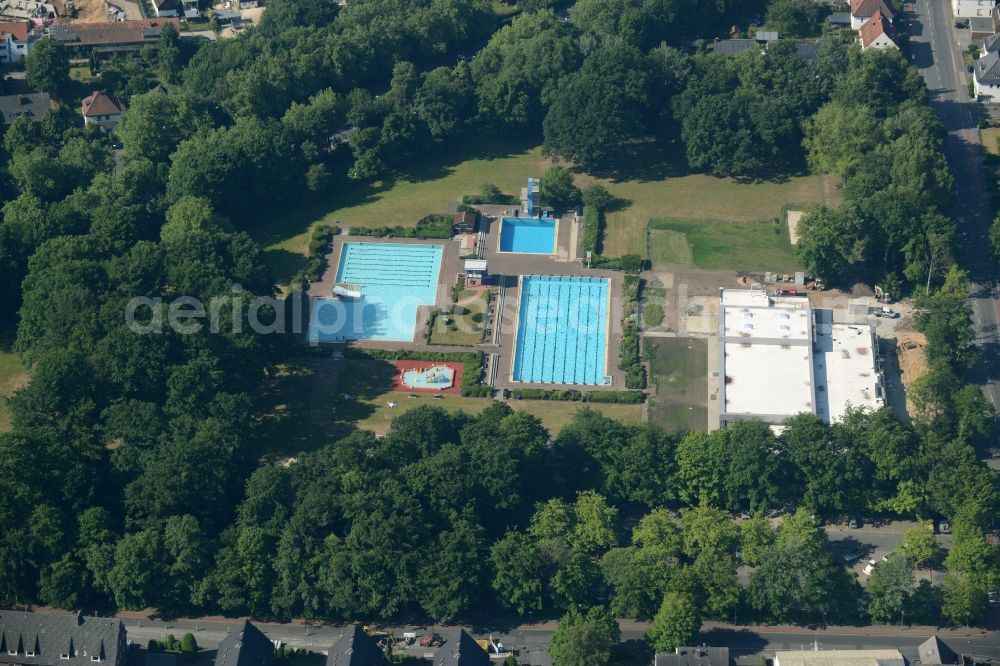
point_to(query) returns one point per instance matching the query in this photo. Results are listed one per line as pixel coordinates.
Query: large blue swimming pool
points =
(528, 235)
(395, 279)
(562, 330)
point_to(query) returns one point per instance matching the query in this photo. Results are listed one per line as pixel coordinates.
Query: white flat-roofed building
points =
(779, 358)
(886, 657)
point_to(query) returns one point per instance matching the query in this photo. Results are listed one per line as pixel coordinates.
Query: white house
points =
(986, 77)
(877, 33)
(862, 10)
(968, 8)
(103, 110)
(16, 40)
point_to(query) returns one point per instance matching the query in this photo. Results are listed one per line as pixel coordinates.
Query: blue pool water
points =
(395, 279)
(562, 330)
(528, 235)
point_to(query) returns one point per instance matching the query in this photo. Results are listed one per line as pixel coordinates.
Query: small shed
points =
(465, 222)
(765, 36)
(475, 272)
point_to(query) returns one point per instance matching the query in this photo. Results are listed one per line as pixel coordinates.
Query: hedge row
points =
(472, 370)
(629, 361)
(620, 397)
(319, 245)
(592, 223)
(432, 226)
(630, 263)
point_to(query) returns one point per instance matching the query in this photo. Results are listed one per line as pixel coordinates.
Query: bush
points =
(489, 194)
(653, 314)
(319, 245)
(572, 395)
(154, 646)
(592, 219)
(431, 226)
(632, 263)
(189, 647)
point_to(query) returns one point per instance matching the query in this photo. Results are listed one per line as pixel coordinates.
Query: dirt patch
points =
(794, 217)
(87, 11)
(912, 361)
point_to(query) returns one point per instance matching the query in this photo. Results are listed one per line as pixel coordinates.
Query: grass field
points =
(646, 191)
(465, 329)
(989, 137)
(679, 368)
(718, 244)
(12, 377)
(306, 407)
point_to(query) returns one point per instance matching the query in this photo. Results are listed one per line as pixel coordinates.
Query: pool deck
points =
(504, 268)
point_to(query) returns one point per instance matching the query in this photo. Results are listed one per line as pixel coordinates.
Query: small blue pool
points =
(562, 330)
(394, 278)
(528, 235)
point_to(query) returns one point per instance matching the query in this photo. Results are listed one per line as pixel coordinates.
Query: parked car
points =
(854, 523)
(853, 556)
(961, 25)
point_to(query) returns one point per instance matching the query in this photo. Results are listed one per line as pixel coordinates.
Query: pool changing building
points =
(778, 357)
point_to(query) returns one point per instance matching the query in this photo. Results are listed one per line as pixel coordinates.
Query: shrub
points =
(431, 226)
(489, 194)
(189, 647)
(592, 218)
(572, 395)
(653, 314)
(632, 263)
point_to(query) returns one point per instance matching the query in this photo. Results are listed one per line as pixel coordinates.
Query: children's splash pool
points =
(562, 330)
(434, 377)
(394, 279)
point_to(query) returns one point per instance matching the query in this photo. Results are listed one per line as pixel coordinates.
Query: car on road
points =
(854, 523)
(853, 556)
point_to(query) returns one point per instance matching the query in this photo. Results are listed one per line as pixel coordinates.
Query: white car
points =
(871, 565)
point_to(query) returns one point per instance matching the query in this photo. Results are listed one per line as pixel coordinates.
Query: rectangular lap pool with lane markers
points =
(562, 330)
(394, 280)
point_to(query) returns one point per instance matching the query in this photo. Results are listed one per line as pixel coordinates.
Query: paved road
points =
(935, 52)
(531, 641)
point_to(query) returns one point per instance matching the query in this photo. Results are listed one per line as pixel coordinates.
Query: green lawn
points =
(719, 244)
(12, 376)
(679, 369)
(989, 137)
(462, 329)
(82, 74)
(647, 190)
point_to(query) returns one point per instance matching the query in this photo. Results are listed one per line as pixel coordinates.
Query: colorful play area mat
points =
(428, 376)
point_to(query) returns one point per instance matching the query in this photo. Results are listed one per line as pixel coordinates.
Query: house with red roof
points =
(862, 10)
(16, 40)
(878, 33)
(103, 110)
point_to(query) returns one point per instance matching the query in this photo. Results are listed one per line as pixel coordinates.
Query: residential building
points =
(32, 105)
(734, 46)
(165, 8)
(694, 656)
(970, 8)
(990, 45)
(779, 357)
(981, 27)
(878, 33)
(355, 648)
(862, 10)
(765, 36)
(460, 649)
(103, 110)
(190, 8)
(886, 657)
(17, 37)
(839, 20)
(246, 645)
(986, 77)
(50, 639)
(110, 38)
(25, 10)
(934, 652)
